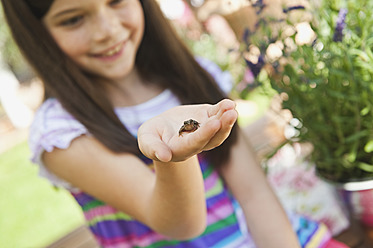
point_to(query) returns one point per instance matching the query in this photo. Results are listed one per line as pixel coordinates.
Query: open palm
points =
(159, 137)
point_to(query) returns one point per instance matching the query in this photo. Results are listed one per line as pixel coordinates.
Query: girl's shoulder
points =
(50, 108)
(52, 127)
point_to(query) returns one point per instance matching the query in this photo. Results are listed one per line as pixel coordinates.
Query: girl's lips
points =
(111, 52)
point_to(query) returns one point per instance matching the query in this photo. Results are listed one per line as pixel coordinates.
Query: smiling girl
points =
(119, 85)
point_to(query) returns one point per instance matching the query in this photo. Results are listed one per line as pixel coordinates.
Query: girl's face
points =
(101, 36)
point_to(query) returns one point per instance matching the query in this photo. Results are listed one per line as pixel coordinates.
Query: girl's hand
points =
(159, 137)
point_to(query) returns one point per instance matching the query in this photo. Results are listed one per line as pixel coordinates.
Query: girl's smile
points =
(101, 36)
(112, 53)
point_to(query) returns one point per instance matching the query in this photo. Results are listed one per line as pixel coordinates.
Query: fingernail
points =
(156, 155)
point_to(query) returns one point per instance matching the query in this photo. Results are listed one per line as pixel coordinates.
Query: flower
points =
(259, 6)
(298, 7)
(341, 24)
(326, 83)
(256, 67)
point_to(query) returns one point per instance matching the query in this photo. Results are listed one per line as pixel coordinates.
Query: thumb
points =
(154, 148)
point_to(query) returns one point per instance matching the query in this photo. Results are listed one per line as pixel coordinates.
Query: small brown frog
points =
(189, 126)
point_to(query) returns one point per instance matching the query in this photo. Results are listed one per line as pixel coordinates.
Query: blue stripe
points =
(228, 240)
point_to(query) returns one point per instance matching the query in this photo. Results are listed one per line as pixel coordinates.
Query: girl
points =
(118, 86)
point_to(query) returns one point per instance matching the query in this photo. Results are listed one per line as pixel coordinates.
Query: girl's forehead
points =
(59, 7)
(62, 5)
(58, 4)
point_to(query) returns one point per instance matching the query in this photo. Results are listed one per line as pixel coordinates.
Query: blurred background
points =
(33, 213)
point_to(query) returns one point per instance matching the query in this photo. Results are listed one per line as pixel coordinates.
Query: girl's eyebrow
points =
(64, 12)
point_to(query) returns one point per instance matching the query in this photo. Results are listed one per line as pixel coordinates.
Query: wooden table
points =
(357, 236)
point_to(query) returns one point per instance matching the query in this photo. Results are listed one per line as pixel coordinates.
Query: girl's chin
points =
(110, 75)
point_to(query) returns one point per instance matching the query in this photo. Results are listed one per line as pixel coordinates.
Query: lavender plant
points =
(327, 83)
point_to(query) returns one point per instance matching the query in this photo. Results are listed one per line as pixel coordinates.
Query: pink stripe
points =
(125, 242)
(99, 211)
(211, 181)
(335, 244)
(219, 211)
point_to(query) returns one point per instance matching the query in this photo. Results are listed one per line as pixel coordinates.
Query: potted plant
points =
(326, 81)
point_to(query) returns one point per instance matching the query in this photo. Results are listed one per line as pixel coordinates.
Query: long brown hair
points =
(171, 62)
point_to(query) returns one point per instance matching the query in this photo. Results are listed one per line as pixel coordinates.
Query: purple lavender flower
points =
(256, 68)
(246, 35)
(259, 5)
(293, 8)
(341, 24)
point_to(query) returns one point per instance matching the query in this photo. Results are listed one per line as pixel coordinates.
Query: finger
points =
(193, 143)
(228, 120)
(222, 106)
(154, 148)
(206, 132)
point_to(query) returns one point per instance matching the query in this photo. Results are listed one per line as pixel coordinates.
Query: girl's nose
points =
(105, 26)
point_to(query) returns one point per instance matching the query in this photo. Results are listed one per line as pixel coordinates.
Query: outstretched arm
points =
(265, 217)
(178, 173)
(170, 201)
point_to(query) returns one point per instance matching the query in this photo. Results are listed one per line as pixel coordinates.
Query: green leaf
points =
(365, 111)
(357, 136)
(351, 157)
(366, 167)
(369, 146)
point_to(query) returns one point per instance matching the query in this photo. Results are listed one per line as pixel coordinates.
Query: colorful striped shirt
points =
(113, 228)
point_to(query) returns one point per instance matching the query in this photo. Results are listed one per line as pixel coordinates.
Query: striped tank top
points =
(114, 229)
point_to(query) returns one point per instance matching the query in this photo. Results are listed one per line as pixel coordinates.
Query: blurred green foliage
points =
(327, 83)
(10, 52)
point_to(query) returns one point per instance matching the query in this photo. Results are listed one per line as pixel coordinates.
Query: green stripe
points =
(160, 244)
(230, 220)
(217, 189)
(117, 216)
(208, 172)
(92, 204)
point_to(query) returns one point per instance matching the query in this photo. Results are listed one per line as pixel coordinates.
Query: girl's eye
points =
(116, 2)
(72, 21)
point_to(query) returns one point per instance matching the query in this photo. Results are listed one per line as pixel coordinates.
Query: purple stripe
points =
(203, 162)
(51, 104)
(214, 237)
(50, 135)
(109, 229)
(223, 196)
(164, 105)
(206, 240)
(83, 198)
(118, 228)
(66, 117)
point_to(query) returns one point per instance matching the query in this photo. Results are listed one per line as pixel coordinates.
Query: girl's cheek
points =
(73, 46)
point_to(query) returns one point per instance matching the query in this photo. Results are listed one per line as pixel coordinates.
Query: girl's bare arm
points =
(171, 201)
(264, 215)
